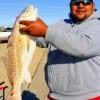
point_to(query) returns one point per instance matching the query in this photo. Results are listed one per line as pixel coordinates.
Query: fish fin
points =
(27, 77)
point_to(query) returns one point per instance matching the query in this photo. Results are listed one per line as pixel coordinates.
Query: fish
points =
(20, 50)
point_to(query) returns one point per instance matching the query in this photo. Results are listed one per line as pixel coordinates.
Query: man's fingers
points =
(25, 22)
(24, 29)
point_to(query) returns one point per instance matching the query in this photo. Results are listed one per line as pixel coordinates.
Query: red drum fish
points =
(20, 50)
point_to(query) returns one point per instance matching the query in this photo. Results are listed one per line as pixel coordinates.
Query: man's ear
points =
(94, 7)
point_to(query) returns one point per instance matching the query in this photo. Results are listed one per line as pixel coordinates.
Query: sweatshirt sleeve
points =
(40, 42)
(85, 43)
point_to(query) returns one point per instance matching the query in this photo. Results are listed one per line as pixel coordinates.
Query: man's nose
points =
(81, 4)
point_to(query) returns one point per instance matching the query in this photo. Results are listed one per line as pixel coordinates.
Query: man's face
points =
(80, 11)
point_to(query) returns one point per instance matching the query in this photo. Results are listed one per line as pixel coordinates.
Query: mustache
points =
(81, 10)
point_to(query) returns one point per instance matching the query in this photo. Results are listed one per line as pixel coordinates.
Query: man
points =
(73, 66)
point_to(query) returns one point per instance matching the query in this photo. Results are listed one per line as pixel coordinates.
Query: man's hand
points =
(36, 28)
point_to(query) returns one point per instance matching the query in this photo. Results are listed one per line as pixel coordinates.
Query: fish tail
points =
(14, 95)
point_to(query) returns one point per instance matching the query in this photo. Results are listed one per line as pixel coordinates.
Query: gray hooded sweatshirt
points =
(73, 66)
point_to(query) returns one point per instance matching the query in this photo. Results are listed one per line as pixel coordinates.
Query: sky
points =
(48, 10)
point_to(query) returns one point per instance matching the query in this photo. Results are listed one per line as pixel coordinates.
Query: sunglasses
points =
(84, 2)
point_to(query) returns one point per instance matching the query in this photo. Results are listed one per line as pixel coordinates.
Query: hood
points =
(95, 15)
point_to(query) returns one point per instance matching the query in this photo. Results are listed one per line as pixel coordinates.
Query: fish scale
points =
(20, 50)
